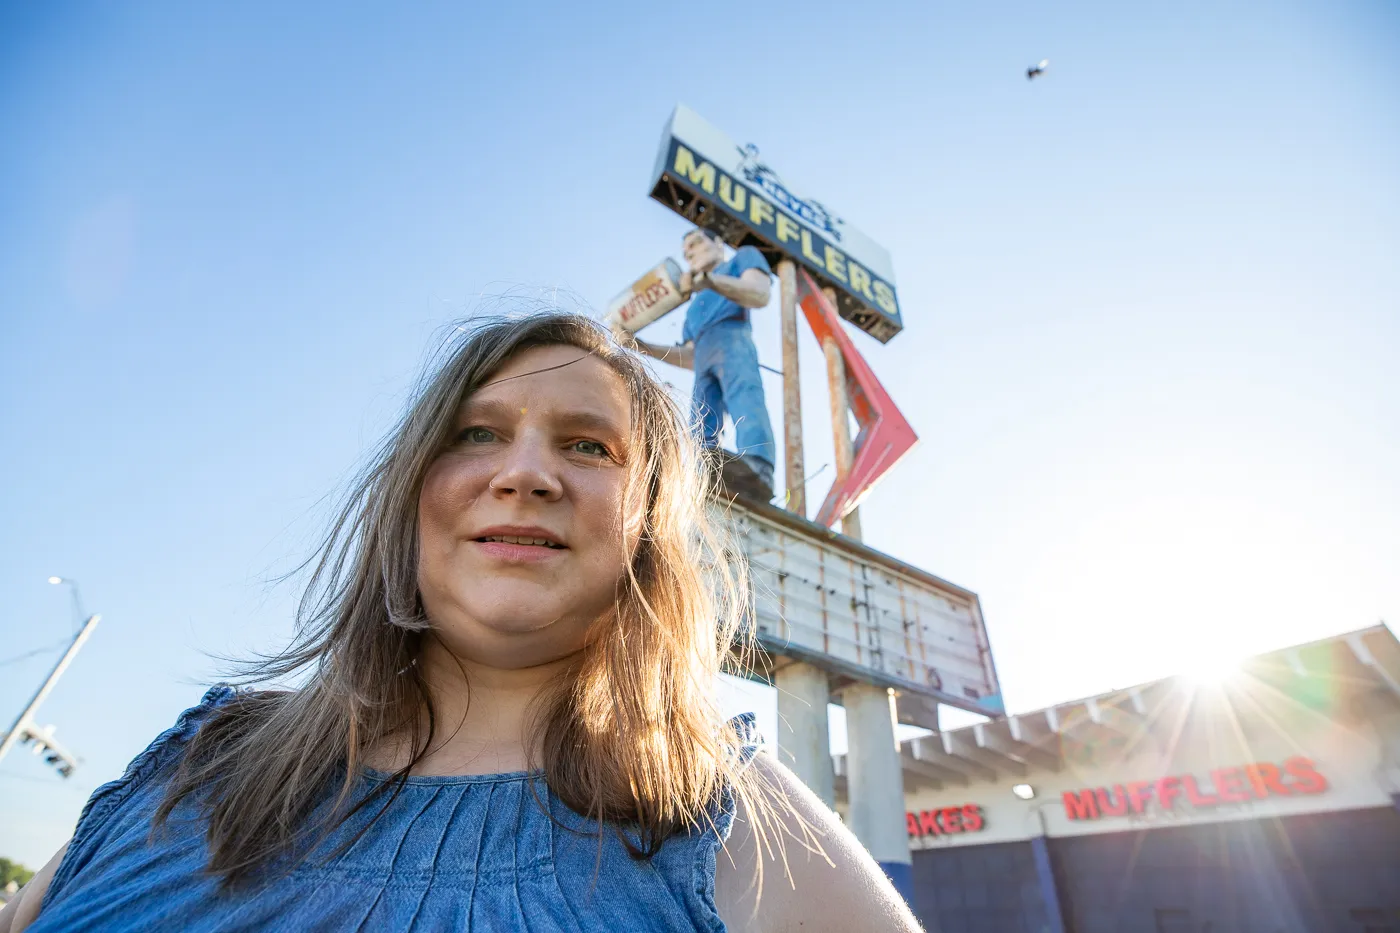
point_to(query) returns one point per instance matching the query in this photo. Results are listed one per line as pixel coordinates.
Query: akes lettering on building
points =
(781, 230)
(1223, 786)
(946, 821)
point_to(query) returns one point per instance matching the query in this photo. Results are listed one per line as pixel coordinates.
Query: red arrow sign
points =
(885, 436)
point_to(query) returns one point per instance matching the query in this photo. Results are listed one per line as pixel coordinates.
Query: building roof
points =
(1345, 675)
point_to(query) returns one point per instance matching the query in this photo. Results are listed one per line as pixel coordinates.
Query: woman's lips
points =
(519, 553)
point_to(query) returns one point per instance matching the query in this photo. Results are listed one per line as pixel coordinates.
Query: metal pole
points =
(795, 475)
(26, 717)
(840, 421)
(1045, 874)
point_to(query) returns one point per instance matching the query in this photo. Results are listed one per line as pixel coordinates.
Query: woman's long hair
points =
(631, 736)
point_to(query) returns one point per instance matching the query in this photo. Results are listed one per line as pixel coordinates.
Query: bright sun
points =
(1212, 668)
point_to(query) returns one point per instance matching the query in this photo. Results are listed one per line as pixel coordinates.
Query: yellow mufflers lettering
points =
(884, 297)
(787, 229)
(860, 281)
(760, 211)
(702, 173)
(836, 264)
(732, 194)
(807, 250)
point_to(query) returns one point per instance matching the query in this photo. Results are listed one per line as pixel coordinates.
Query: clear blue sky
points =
(1151, 302)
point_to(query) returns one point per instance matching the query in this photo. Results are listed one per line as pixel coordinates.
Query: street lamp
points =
(25, 729)
(72, 585)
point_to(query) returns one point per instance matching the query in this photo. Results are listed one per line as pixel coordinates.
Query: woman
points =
(509, 647)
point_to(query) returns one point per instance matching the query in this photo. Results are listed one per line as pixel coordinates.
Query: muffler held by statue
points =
(648, 298)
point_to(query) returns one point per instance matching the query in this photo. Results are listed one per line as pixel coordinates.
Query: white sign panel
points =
(849, 609)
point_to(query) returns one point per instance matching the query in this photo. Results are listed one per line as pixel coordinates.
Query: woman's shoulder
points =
(111, 798)
(790, 864)
(160, 752)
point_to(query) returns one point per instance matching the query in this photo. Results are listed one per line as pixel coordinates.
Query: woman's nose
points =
(528, 471)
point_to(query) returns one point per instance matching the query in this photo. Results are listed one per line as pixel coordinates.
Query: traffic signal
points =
(55, 755)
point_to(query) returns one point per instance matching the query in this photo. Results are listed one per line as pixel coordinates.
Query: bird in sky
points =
(1036, 71)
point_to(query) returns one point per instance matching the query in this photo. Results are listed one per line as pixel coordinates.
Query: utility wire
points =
(39, 779)
(37, 651)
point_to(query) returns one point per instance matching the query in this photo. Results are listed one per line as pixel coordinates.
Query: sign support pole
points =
(803, 691)
(840, 419)
(794, 476)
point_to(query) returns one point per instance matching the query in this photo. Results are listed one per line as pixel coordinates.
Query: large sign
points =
(1222, 787)
(853, 611)
(708, 179)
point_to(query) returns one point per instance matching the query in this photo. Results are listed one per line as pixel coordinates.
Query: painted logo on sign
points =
(759, 174)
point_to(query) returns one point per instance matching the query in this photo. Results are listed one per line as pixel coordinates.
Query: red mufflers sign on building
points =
(1259, 781)
(946, 821)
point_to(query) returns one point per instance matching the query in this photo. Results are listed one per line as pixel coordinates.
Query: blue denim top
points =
(448, 853)
(710, 307)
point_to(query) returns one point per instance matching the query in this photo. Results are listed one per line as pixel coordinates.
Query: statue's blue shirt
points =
(710, 307)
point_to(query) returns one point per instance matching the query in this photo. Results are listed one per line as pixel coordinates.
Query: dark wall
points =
(978, 889)
(1301, 874)
(1321, 873)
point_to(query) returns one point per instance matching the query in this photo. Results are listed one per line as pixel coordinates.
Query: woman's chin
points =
(513, 639)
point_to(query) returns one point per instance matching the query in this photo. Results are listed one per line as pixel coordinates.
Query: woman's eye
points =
(591, 448)
(477, 436)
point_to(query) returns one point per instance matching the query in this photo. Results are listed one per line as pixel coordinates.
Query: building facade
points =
(1267, 800)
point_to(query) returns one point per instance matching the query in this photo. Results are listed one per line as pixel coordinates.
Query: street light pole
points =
(1044, 867)
(78, 612)
(26, 717)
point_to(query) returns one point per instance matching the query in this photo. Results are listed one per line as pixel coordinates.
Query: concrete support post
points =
(804, 742)
(794, 476)
(877, 782)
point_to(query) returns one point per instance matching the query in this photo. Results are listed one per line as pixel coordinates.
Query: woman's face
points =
(520, 521)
